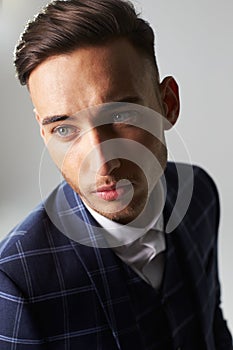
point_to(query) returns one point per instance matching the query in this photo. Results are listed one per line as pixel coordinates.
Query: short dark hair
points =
(65, 25)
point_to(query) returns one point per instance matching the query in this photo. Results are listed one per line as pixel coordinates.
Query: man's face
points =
(95, 110)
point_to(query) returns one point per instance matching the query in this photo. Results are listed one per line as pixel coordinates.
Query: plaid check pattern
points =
(57, 294)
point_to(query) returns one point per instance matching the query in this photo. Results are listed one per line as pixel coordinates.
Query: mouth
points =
(113, 191)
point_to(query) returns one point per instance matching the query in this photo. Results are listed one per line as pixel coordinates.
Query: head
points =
(65, 25)
(91, 72)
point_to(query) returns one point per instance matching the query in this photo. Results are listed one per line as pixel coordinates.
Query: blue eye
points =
(125, 116)
(65, 131)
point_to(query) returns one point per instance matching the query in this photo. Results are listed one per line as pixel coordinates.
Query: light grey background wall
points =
(193, 43)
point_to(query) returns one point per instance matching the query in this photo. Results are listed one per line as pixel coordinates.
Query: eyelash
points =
(74, 131)
(131, 116)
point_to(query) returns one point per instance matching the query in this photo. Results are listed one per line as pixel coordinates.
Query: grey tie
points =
(145, 256)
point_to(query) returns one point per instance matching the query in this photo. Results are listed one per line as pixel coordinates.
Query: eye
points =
(65, 131)
(125, 117)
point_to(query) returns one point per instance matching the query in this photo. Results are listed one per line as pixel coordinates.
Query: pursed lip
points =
(112, 191)
(106, 188)
(111, 187)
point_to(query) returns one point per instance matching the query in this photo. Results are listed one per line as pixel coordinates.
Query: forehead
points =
(90, 76)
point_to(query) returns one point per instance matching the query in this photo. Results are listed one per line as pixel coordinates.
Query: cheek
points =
(67, 157)
(159, 150)
(154, 164)
(74, 163)
(155, 144)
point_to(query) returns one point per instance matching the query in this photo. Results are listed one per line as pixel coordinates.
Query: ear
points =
(170, 101)
(40, 124)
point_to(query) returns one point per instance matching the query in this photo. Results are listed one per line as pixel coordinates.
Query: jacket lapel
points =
(107, 278)
(102, 266)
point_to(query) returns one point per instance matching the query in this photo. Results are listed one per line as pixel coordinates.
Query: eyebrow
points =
(54, 119)
(130, 99)
(58, 118)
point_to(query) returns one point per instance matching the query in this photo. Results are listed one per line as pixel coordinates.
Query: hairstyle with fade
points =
(65, 25)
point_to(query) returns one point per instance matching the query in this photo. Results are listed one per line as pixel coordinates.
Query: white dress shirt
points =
(140, 246)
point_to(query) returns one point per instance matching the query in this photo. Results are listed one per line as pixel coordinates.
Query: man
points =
(94, 267)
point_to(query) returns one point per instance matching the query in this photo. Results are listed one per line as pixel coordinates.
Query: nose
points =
(103, 162)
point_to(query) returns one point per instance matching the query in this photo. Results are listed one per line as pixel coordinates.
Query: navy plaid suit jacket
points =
(57, 294)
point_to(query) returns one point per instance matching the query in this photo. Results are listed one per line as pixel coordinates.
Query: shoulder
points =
(32, 254)
(181, 176)
(28, 227)
(31, 234)
(193, 195)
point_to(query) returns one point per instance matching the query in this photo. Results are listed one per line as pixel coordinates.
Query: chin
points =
(124, 216)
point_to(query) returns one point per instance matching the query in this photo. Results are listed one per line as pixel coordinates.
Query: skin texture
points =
(95, 147)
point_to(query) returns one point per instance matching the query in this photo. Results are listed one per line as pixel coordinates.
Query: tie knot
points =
(143, 250)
